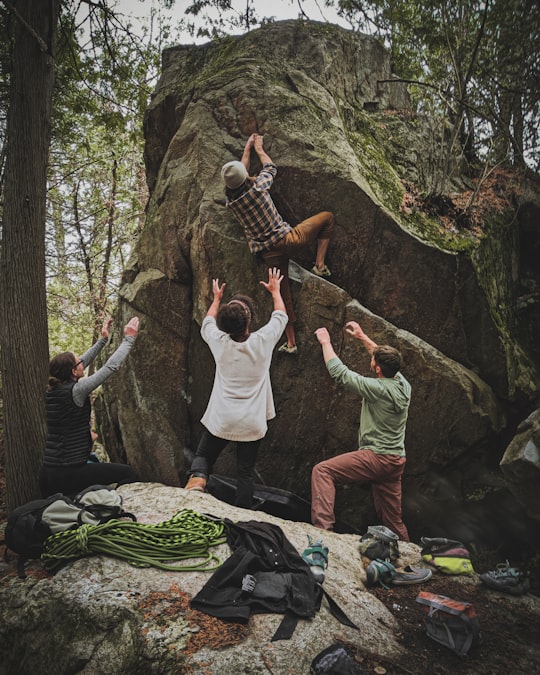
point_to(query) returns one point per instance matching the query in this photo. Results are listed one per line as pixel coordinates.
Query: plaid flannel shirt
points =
(257, 213)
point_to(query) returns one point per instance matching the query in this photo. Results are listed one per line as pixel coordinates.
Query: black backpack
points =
(30, 524)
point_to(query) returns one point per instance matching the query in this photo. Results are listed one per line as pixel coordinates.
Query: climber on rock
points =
(268, 235)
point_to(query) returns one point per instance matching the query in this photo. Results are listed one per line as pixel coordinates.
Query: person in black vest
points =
(66, 467)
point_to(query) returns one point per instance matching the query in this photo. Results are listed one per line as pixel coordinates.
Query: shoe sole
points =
(511, 590)
(408, 582)
(289, 353)
(407, 579)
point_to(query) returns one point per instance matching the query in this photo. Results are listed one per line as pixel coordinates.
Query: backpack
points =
(446, 555)
(380, 543)
(30, 524)
(451, 623)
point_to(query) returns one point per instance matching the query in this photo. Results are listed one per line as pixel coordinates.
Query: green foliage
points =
(475, 63)
(97, 189)
(216, 18)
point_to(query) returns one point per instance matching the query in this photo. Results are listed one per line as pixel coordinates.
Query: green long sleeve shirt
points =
(385, 407)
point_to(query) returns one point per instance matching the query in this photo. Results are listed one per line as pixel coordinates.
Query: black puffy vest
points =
(68, 428)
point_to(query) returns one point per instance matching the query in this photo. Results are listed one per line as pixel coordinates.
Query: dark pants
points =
(208, 451)
(69, 480)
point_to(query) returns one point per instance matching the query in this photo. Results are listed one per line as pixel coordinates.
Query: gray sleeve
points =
(94, 350)
(86, 385)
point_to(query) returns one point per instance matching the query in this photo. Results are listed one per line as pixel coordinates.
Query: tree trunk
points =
(23, 322)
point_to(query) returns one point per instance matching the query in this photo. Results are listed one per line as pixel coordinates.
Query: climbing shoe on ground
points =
(506, 579)
(197, 483)
(411, 575)
(285, 349)
(323, 271)
(316, 556)
(380, 572)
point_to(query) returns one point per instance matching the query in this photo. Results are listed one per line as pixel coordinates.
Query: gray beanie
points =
(234, 174)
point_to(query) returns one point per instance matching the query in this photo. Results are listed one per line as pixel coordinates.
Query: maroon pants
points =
(361, 466)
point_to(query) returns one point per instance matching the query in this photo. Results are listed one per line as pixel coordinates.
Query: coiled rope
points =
(188, 535)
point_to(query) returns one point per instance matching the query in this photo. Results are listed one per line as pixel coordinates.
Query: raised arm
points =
(354, 329)
(246, 155)
(218, 295)
(83, 387)
(264, 158)
(324, 339)
(273, 286)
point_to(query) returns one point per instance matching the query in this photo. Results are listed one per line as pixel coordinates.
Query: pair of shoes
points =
(285, 349)
(197, 483)
(316, 556)
(323, 271)
(411, 575)
(506, 579)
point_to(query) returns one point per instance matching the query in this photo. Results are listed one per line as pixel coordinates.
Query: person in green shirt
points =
(380, 458)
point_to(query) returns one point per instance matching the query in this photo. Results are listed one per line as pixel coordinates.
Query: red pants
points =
(361, 466)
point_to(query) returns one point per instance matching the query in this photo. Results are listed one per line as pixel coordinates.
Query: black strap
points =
(20, 567)
(286, 627)
(290, 620)
(105, 512)
(337, 612)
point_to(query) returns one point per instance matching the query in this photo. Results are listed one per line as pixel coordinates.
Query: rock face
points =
(340, 129)
(521, 464)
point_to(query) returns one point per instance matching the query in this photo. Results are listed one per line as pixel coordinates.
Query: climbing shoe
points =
(323, 271)
(316, 556)
(506, 579)
(380, 572)
(285, 349)
(411, 575)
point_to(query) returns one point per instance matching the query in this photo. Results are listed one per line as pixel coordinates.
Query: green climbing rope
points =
(188, 535)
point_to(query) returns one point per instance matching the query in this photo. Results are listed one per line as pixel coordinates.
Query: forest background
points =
(76, 79)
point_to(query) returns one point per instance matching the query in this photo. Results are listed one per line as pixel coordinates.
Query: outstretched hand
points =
(354, 329)
(323, 336)
(274, 280)
(132, 327)
(258, 142)
(106, 328)
(218, 290)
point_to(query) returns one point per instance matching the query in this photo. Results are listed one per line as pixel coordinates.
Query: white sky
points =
(281, 9)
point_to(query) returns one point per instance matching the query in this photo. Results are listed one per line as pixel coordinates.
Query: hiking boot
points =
(323, 271)
(506, 579)
(411, 575)
(197, 483)
(285, 349)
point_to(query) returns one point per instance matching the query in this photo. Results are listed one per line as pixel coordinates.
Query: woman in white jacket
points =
(241, 402)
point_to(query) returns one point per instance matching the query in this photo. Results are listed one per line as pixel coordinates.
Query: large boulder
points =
(521, 464)
(99, 614)
(340, 129)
